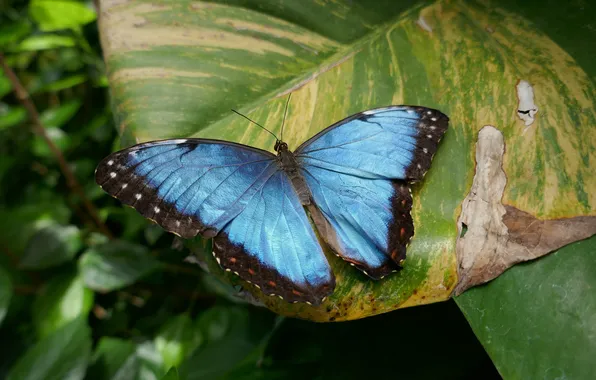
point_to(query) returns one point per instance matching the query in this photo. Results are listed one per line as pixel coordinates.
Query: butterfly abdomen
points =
(290, 166)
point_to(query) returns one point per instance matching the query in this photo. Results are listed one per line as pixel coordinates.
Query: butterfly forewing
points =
(240, 194)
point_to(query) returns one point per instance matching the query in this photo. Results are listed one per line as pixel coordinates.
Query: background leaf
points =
(177, 339)
(10, 116)
(44, 42)
(5, 293)
(115, 264)
(171, 375)
(13, 32)
(113, 358)
(60, 14)
(58, 116)
(218, 358)
(63, 299)
(19, 224)
(63, 354)
(51, 246)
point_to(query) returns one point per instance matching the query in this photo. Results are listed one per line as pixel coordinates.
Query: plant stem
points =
(39, 129)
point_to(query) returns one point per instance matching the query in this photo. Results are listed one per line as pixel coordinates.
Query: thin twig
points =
(38, 128)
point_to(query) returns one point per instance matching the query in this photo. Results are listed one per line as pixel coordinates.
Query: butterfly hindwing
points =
(272, 245)
(358, 172)
(367, 222)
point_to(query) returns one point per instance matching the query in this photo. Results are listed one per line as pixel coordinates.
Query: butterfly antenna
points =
(254, 122)
(285, 113)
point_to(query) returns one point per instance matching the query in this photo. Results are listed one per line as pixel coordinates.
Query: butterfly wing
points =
(210, 187)
(358, 170)
(274, 232)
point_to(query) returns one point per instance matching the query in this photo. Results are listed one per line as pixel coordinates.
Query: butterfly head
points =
(280, 146)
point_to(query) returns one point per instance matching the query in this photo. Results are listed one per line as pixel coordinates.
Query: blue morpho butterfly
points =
(352, 177)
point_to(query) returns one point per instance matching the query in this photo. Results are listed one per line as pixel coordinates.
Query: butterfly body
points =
(353, 178)
(289, 164)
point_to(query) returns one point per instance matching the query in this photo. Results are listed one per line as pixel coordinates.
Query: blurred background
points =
(90, 289)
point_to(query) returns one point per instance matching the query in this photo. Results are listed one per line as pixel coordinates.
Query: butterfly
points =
(353, 178)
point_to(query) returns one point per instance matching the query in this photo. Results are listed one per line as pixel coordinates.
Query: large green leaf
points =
(539, 318)
(176, 68)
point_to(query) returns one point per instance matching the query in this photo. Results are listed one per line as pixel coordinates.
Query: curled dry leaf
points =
(493, 236)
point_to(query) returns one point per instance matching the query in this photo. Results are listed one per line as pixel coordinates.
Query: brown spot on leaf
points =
(499, 236)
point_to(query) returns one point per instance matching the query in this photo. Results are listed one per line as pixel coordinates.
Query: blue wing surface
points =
(187, 186)
(395, 142)
(358, 172)
(272, 245)
(234, 193)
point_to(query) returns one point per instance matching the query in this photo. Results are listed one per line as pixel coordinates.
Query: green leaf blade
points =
(5, 293)
(115, 265)
(53, 15)
(63, 299)
(51, 246)
(62, 355)
(545, 308)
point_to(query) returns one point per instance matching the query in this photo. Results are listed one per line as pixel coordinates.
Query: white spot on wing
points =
(178, 225)
(112, 174)
(433, 118)
(432, 127)
(110, 163)
(425, 150)
(429, 112)
(429, 136)
(138, 196)
(124, 185)
(156, 209)
(369, 112)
